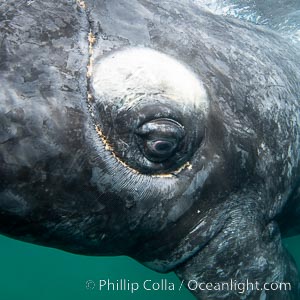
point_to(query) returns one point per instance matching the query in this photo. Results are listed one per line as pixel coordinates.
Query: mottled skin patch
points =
(221, 219)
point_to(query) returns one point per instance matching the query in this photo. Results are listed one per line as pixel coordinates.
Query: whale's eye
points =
(160, 139)
(150, 110)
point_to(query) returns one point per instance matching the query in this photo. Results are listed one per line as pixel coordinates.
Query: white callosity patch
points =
(130, 75)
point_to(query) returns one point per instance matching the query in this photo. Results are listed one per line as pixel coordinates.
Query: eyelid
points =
(161, 125)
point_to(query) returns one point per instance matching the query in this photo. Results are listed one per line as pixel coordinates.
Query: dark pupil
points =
(162, 147)
(159, 150)
(160, 139)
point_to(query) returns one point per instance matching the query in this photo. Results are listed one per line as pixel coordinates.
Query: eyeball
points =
(160, 139)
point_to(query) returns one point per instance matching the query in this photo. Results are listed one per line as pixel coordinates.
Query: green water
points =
(29, 272)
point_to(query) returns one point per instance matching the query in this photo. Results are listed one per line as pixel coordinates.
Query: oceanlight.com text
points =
(240, 287)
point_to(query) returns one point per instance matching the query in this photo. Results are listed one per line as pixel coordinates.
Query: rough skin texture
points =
(62, 185)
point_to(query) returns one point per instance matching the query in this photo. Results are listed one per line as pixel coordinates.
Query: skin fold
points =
(153, 129)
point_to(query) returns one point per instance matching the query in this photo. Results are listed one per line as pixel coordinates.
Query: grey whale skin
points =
(104, 151)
